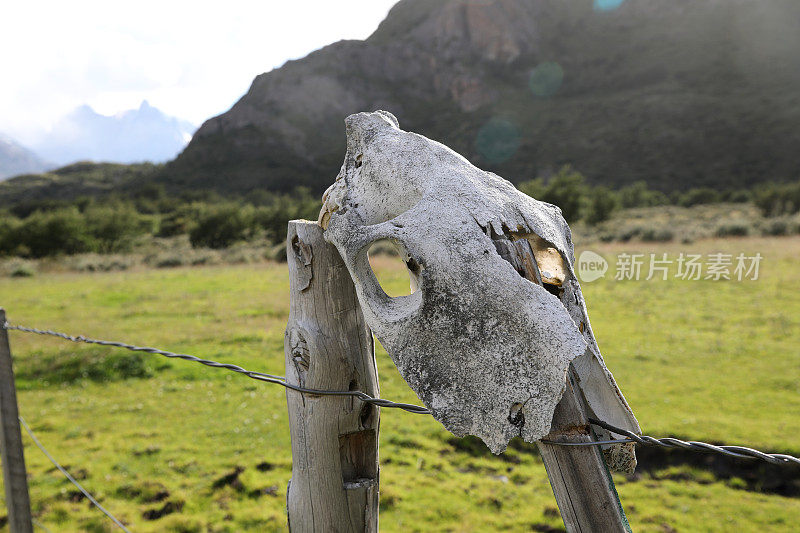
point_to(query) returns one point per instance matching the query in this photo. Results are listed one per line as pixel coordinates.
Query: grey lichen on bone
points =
(484, 348)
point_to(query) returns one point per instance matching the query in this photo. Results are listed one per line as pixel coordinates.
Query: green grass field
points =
(154, 439)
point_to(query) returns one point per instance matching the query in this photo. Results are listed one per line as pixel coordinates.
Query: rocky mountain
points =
(143, 134)
(16, 159)
(679, 93)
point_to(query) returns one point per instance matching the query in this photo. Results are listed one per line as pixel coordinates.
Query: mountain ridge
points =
(16, 159)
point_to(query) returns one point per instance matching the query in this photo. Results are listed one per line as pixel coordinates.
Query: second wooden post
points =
(581, 482)
(334, 485)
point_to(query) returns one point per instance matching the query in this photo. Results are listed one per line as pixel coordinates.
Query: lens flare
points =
(497, 141)
(546, 79)
(607, 5)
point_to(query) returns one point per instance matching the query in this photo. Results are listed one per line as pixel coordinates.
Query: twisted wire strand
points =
(70, 478)
(259, 376)
(40, 525)
(739, 452)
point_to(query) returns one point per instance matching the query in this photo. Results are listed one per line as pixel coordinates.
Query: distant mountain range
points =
(16, 159)
(679, 93)
(144, 134)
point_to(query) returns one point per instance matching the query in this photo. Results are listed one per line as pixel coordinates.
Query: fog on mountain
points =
(16, 159)
(143, 134)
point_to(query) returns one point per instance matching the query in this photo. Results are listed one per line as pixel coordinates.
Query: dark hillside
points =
(681, 93)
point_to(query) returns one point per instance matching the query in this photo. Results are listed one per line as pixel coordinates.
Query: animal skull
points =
(485, 349)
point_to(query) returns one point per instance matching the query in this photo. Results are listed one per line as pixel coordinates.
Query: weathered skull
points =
(484, 348)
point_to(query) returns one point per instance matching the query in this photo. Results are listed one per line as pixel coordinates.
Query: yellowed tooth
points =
(324, 218)
(325, 215)
(548, 259)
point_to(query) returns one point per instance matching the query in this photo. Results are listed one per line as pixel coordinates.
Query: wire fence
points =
(69, 477)
(740, 452)
(259, 376)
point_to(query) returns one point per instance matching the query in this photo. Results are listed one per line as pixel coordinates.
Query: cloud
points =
(190, 59)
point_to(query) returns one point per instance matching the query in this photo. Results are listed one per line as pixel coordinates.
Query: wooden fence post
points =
(14, 474)
(581, 481)
(334, 485)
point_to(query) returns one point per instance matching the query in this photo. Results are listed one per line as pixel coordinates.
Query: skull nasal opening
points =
(396, 271)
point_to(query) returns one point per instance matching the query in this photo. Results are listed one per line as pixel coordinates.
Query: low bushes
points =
(117, 226)
(88, 226)
(776, 199)
(70, 231)
(579, 200)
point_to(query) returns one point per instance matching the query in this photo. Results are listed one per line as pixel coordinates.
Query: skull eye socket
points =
(395, 271)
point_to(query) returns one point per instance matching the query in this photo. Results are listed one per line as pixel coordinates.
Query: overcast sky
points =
(190, 59)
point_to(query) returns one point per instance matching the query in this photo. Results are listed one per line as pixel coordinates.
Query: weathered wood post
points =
(581, 481)
(14, 474)
(334, 485)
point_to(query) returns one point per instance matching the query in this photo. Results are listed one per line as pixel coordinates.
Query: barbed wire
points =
(259, 376)
(740, 452)
(40, 525)
(69, 477)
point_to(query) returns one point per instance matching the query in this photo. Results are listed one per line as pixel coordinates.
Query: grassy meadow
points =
(175, 446)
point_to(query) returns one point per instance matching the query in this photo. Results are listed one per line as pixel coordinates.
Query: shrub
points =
(733, 229)
(222, 226)
(242, 255)
(629, 233)
(277, 253)
(638, 195)
(205, 258)
(115, 227)
(168, 261)
(9, 225)
(273, 216)
(776, 226)
(702, 195)
(778, 199)
(182, 219)
(22, 270)
(737, 196)
(602, 204)
(272, 219)
(101, 263)
(533, 188)
(384, 247)
(657, 234)
(566, 190)
(51, 233)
